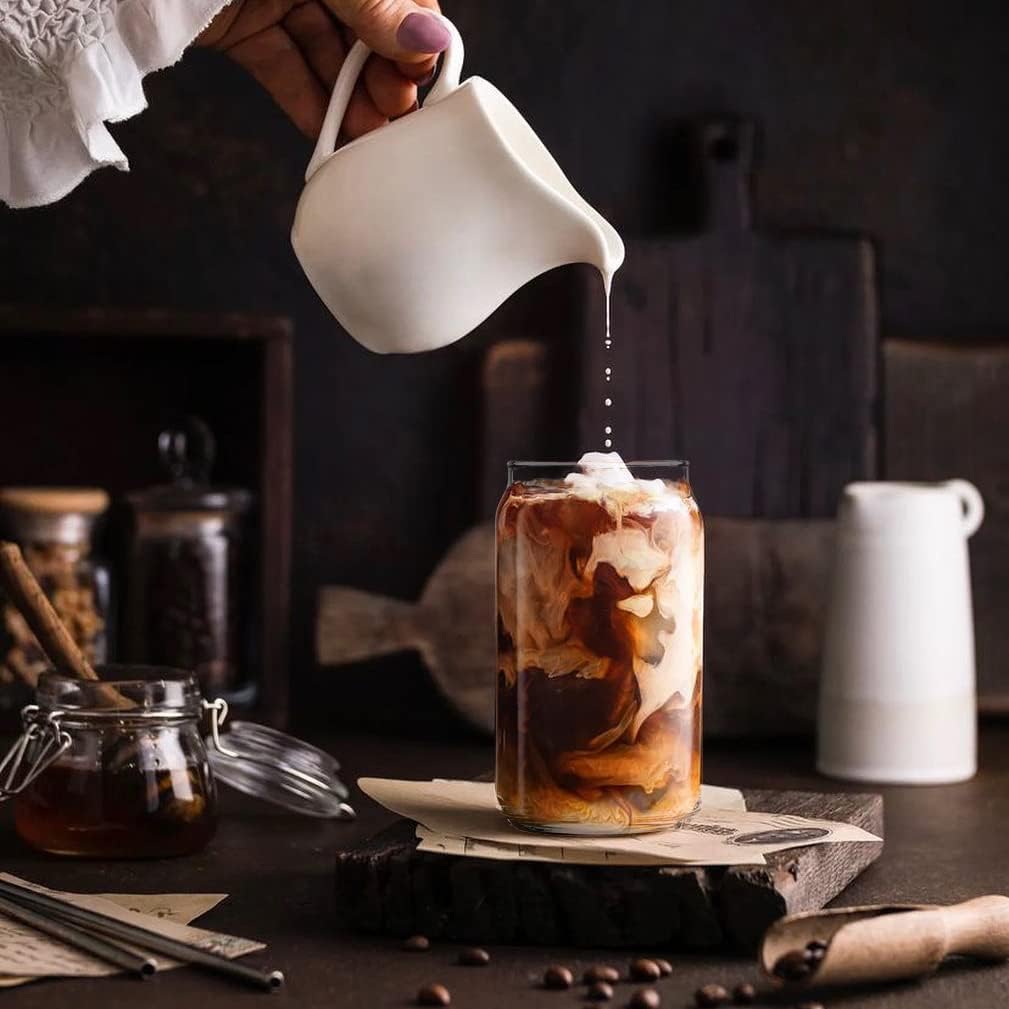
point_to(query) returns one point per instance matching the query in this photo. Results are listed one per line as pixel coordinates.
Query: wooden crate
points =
(87, 391)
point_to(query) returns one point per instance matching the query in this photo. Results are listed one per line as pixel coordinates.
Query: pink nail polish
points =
(423, 33)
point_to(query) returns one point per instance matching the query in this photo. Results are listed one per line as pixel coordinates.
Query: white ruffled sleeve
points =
(69, 66)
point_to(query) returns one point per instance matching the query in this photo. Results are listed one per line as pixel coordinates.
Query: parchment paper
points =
(26, 955)
(463, 818)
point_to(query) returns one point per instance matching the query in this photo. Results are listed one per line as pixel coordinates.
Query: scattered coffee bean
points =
(665, 967)
(645, 998)
(473, 956)
(645, 970)
(601, 972)
(809, 1005)
(793, 966)
(600, 991)
(815, 951)
(558, 978)
(711, 995)
(417, 944)
(433, 994)
(744, 994)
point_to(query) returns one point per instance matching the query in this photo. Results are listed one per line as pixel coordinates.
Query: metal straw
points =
(143, 966)
(139, 936)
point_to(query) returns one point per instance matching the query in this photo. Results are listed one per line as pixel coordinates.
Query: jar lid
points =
(64, 515)
(187, 451)
(288, 772)
(55, 500)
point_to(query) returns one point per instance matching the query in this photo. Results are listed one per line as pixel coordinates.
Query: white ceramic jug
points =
(897, 693)
(413, 234)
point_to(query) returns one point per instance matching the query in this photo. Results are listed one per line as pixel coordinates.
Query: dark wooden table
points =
(942, 844)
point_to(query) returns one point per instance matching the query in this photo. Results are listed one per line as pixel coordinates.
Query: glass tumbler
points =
(599, 622)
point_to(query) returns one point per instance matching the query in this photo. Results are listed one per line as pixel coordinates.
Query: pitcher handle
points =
(448, 81)
(973, 504)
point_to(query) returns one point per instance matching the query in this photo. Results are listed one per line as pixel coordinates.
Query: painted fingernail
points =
(423, 33)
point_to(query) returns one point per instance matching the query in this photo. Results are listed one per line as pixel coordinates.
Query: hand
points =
(295, 49)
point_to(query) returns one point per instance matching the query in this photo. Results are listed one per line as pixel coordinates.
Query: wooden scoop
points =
(888, 943)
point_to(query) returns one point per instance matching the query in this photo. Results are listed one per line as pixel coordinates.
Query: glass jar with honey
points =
(117, 767)
(129, 775)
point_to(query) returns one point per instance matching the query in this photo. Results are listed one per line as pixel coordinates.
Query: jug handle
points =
(973, 504)
(448, 81)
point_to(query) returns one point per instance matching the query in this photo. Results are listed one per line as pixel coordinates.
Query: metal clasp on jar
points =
(306, 773)
(42, 741)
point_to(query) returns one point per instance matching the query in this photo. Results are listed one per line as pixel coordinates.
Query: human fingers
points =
(318, 36)
(392, 94)
(278, 64)
(362, 115)
(401, 30)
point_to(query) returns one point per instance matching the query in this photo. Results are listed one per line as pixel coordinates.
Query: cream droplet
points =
(608, 429)
(608, 401)
(608, 443)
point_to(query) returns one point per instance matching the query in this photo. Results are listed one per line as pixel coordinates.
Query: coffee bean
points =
(645, 970)
(558, 978)
(473, 956)
(665, 967)
(744, 994)
(600, 991)
(417, 944)
(601, 972)
(433, 994)
(815, 951)
(793, 966)
(645, 998)
(711, 995)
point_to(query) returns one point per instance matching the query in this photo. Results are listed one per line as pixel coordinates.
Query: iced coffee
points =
(600, 569)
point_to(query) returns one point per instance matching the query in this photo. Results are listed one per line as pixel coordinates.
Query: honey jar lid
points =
(285, 771)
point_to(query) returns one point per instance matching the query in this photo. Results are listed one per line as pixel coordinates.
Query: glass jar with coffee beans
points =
(188, 585)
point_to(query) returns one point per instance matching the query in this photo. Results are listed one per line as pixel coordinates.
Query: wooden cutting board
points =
(751, 354)
(386, 886)
(947, 415)
(764, 615)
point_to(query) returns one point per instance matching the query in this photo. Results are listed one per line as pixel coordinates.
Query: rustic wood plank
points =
(516, 410)
(947, 415)
(766, 585)
(385, 885)
(752, 355)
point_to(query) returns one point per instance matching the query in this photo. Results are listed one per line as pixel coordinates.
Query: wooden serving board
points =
(386, 886)
(947, 415)
(750, 353)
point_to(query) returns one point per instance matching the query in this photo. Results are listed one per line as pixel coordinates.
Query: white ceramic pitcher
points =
(897, 693)
(413, 234)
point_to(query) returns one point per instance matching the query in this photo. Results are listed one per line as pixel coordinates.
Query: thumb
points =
(400, 30)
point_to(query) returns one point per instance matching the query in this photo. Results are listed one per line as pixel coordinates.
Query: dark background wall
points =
(886, 118)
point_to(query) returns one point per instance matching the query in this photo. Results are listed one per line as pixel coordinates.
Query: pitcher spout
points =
(581, 233)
